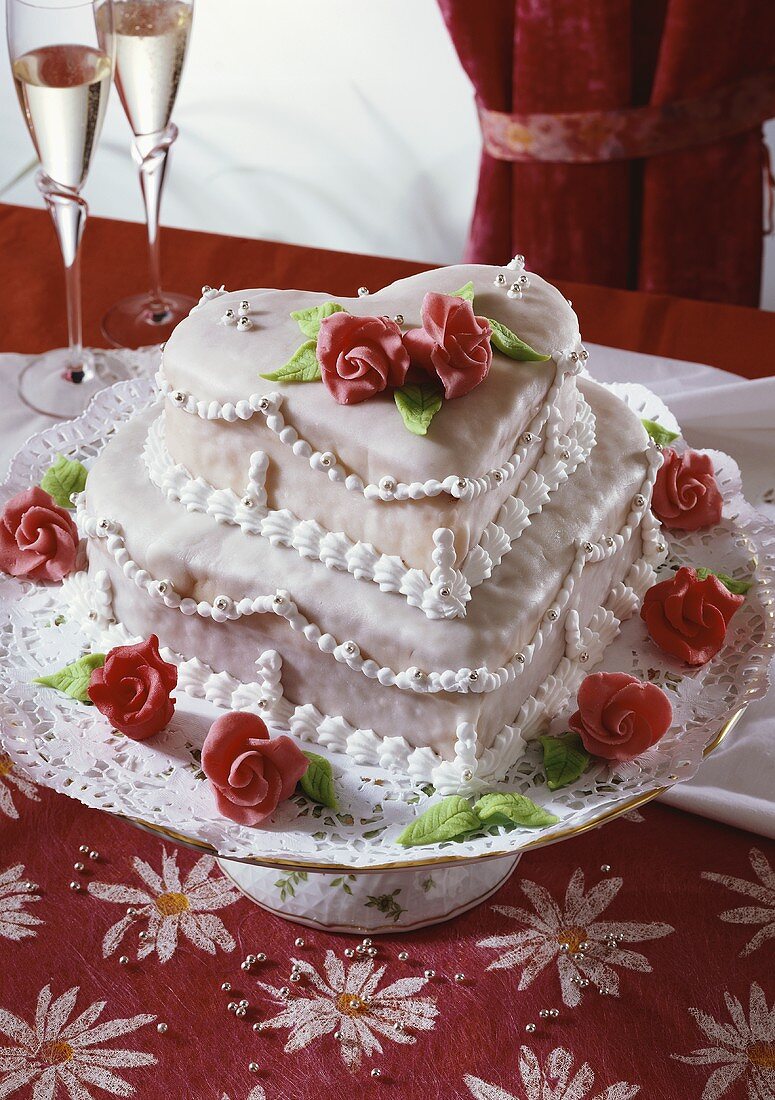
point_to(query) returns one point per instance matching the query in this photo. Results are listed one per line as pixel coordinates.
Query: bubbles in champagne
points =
(63, 91)
(151, 39)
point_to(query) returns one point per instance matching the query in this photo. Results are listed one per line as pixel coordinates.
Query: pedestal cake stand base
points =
(374, 903)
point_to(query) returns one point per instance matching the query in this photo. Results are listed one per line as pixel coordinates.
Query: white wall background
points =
(343, 124)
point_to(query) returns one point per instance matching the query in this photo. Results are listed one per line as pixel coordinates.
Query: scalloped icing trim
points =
(90, 601)
(567, 364)
(482, 679)
(446, 592)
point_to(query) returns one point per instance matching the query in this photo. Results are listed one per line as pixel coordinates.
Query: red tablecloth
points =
(115, 988)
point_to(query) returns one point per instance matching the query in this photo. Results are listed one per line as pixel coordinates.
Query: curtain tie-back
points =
(630, 132)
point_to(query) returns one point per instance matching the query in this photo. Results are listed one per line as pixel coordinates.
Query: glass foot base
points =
(47, 386)
(135, 322)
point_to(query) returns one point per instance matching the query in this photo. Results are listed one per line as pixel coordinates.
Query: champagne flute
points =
(151, 42)
(62, 60)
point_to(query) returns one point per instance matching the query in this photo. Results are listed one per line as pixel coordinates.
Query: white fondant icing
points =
(470, 770)
(388, 488)
(461, 680)
(442, 595)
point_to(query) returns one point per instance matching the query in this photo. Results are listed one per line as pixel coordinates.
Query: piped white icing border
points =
(567, 364)
(463, 680)
(442, 595)
(468, 772)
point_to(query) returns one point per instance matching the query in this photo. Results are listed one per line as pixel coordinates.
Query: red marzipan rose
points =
(453, 343)
(360, 356)
(38, 539)
(686, 496)
(687, 617)
(619, 716)
(249, 771)
(133, 688)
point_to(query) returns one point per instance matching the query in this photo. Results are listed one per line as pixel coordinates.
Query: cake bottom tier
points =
(256, 627)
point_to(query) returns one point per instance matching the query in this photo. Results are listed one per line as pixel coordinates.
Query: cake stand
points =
(344, 871)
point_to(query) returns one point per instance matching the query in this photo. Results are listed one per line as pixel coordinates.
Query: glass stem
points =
(150, 152)
(68, 212)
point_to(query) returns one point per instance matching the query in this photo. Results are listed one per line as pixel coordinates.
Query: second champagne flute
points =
(151, 40)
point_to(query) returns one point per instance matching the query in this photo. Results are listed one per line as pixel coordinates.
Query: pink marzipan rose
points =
(38, 539)
(453, 343)
(249, 772)
(686, 496)
(688, 618)
(619, 716)
(360, 356)
(133, 689)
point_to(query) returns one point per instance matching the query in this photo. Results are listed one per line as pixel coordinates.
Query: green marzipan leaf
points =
(302, 366)
(660, 435)
(510, 344)
(309, 320)
(738, 587)
(418, 404)
(565, 759)
(62, 479)
(505, 808)
(73, 679)
(447, 820)
(466, 292)
(317, 783)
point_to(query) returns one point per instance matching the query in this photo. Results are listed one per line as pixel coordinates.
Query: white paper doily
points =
(71, 748)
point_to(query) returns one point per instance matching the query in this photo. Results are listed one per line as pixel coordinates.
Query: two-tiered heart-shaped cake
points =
(409, 543)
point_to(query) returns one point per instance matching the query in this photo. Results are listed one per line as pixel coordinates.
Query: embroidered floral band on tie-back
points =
(630, 132)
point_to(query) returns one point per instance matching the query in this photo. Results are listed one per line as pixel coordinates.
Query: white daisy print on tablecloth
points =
(744, 1050)
(15, 893)
(556, 1079)
(52, 1052)
(169, 905)
(10, 780)
(348, 1004)
(762, 892)
(586, 949)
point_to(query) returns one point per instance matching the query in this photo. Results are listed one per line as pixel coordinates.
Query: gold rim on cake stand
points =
(165, 833)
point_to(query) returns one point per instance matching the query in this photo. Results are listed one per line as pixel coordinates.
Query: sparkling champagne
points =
(151, 40)
(63, 91)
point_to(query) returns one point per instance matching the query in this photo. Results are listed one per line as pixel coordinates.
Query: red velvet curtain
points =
(687, 222)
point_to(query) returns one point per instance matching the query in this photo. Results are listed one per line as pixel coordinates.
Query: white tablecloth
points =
(715, 409)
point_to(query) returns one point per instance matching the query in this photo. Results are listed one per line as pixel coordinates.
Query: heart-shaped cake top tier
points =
(212, 357)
